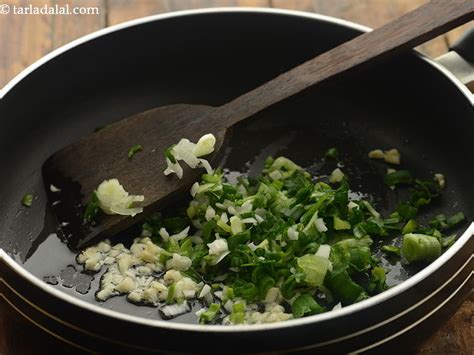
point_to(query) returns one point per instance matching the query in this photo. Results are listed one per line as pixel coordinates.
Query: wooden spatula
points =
(80, 167)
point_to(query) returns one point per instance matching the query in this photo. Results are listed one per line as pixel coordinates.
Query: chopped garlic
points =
(336, 176)
(392, 156)
(376, 154)
(113, 199)
(440, 179)
(179, 262)
(273, 313)
(54, 188)
(172, 276)
(126, 285)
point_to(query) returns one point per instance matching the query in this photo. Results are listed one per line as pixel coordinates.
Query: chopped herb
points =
(134, 150)
(27, 200)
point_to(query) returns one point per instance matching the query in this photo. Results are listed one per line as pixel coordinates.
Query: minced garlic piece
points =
(376, 154)
(392, 156)
(336, 176)
(440, 179)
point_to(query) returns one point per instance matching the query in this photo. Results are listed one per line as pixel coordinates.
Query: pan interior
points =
(208, 59)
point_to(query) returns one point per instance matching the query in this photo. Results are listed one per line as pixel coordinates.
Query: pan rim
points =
(108, 30)
(237, 328)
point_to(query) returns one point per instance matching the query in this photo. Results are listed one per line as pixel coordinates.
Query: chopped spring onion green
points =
(314, 267)
(391, 249)
(250, 248)
(420, 247)
(305, 305)
(134, 150)
(210, 314)
(27, 200)
(92, 208)
(409, 227)
(332, 153)
(398, 177)
(190, 153)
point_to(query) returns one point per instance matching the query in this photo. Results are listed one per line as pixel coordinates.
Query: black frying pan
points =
(200, 57)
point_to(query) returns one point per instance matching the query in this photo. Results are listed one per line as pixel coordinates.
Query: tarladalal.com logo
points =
(4, 9)
(56, 9)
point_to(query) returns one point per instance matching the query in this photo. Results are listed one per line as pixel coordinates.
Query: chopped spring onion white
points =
(113, 199)
(164, 234)
(320, 225)
(205, 145)
(194, 189)
(204, 291)
(210, 213)
(181, 235)
(190, 152)
(293, 233)
(324, 251)
(217, 247)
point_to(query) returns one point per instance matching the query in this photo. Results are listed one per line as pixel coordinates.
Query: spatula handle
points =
(406, 32)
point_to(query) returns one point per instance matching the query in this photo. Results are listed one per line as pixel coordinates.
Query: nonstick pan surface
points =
(210, 57)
